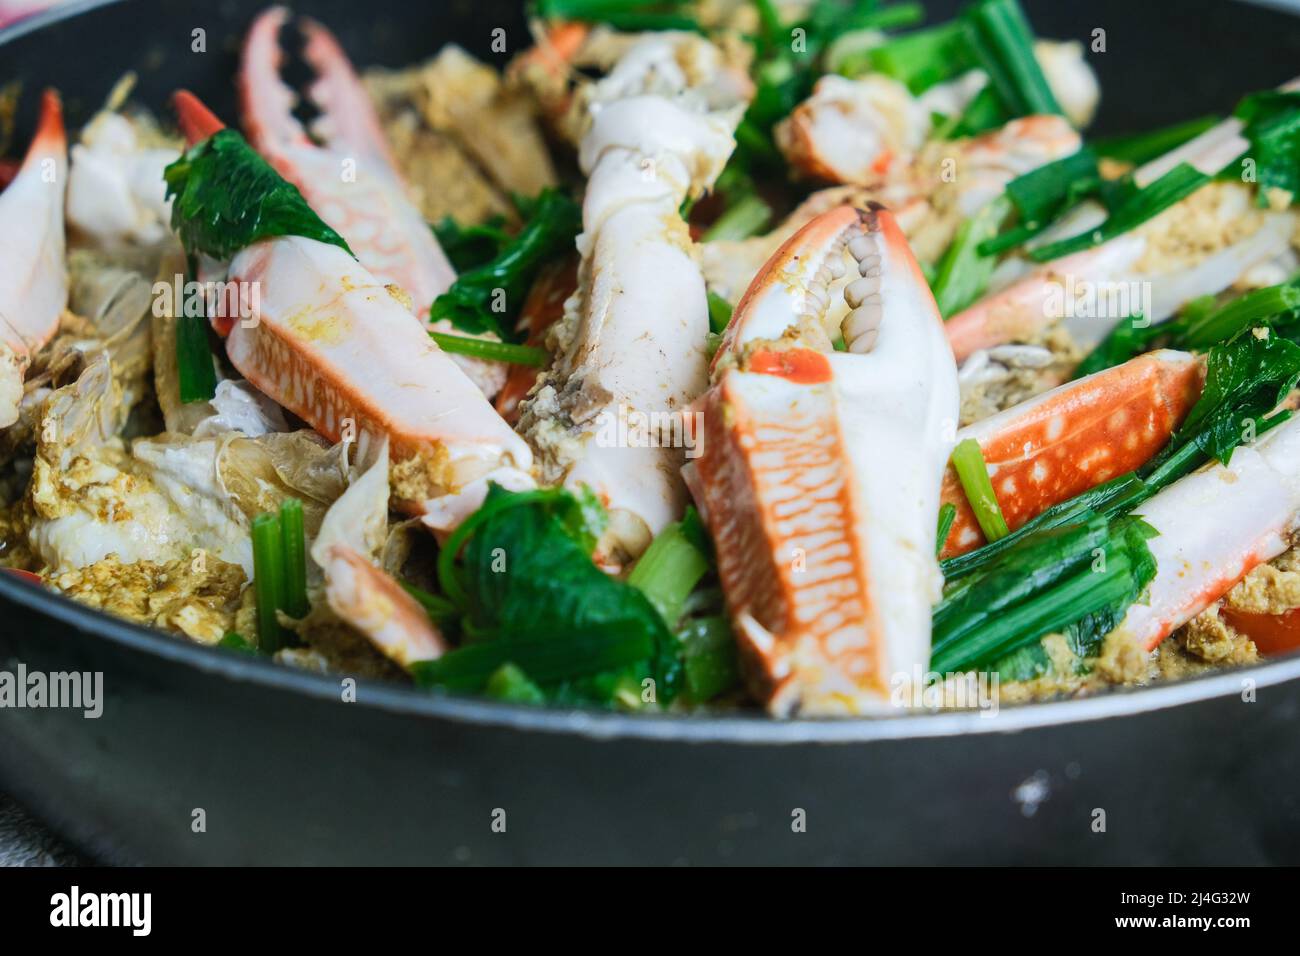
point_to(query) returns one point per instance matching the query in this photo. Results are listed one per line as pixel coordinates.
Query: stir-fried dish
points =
(803, 356)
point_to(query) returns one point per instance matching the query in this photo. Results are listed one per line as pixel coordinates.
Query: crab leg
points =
(34, 278)
(351, 180)
(1214, 526)
(1150, 257)
(820, 471)
(331, 344)
(1063, 442)
(632, 347)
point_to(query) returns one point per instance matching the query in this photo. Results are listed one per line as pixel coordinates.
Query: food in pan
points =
(799, 356)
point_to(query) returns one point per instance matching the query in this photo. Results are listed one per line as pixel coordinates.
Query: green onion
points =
(490, 350)
(1272, 121)
(983, 113)
(1003, 43)
(963, 273)
(968, 461)
(669, 571)
(918, 60)
(269, 581)
(510, 683)
(947, 514)
(747, 217)
(294, 539)
(709, 658)
(1144, 147)
(632, 16)
(719, 313)
(196, 375)
(1253, 308)
(1143, 204)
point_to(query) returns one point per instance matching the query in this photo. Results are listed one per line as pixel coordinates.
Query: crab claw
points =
(351, 179)
(820, 470)
(328, 341)
(1063, 442)
(1214, 526)
(34, 279)
(375, 604)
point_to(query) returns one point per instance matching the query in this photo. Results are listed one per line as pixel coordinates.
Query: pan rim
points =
(750, 728)
(754, 728)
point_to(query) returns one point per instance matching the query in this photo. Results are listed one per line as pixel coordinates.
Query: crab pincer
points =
(34, 280)
(329, 342)
(1076, 436)
(350, 176)
(820, 470)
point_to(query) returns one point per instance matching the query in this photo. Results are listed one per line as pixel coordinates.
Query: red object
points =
(801, 366)
(25, 576)
(1272, 633)
(196, 121)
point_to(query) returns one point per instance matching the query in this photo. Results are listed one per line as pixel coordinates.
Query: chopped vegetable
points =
(236, 642)
(226, 197)
(196, 374)
(719, 313)
(710, 661)
(1144, 147)
(487, 298)
(294, 552)
(1139, 206)
(269, 581)
(632, 16)
(972, 471)
(438, 608)
(1003, 44)
(669, 570)
(1042, 195)
(947, 514)
(1273, 128)
(746, 218)
(490, 350)
(964, 272)
(468, 247)
(509, 682)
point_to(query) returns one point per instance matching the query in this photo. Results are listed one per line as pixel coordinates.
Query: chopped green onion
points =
(947, 514)
(490, 350)
(968, 461)
(236, 642)
(631, 16)
(510, 683)
(1140, 206)
(983, 113)
(294, 538)
(745, 218)
(669, 570)
(196, 375)
(963, 273)
(269, 581)
(709, 658)
(918, 60)
(1144, 147)
(1003, 43)
(1041, 195)
(719, 313)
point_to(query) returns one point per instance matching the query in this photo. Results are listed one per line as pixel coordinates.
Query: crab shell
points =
(819, 474)
(1065, 441)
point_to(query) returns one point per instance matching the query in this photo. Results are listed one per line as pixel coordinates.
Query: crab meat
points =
(858, 131)
(1200, 246)
(1214, 526)
(632, 342)
(351, 180)
(820, 471)
(1063, 442)
(330, 343)
(928, 204)
(34, 280)
(356, 588)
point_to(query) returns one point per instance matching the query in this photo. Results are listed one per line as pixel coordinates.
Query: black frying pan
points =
(286, 772)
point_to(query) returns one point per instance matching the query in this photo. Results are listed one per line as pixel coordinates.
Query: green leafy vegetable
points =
(528, 594)
(1042, 195)
(487, 298)
(670, 569)
(1273, 128)
(719, 313)
(632, 16)
(439, 609)
(226, 197)
(745, 218)
(1139, 206)
(236, 642)
(468, 247)
(509, 682)
(964, 273)
(710, 662)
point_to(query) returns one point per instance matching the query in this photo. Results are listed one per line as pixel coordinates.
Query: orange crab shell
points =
(1073, 438)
